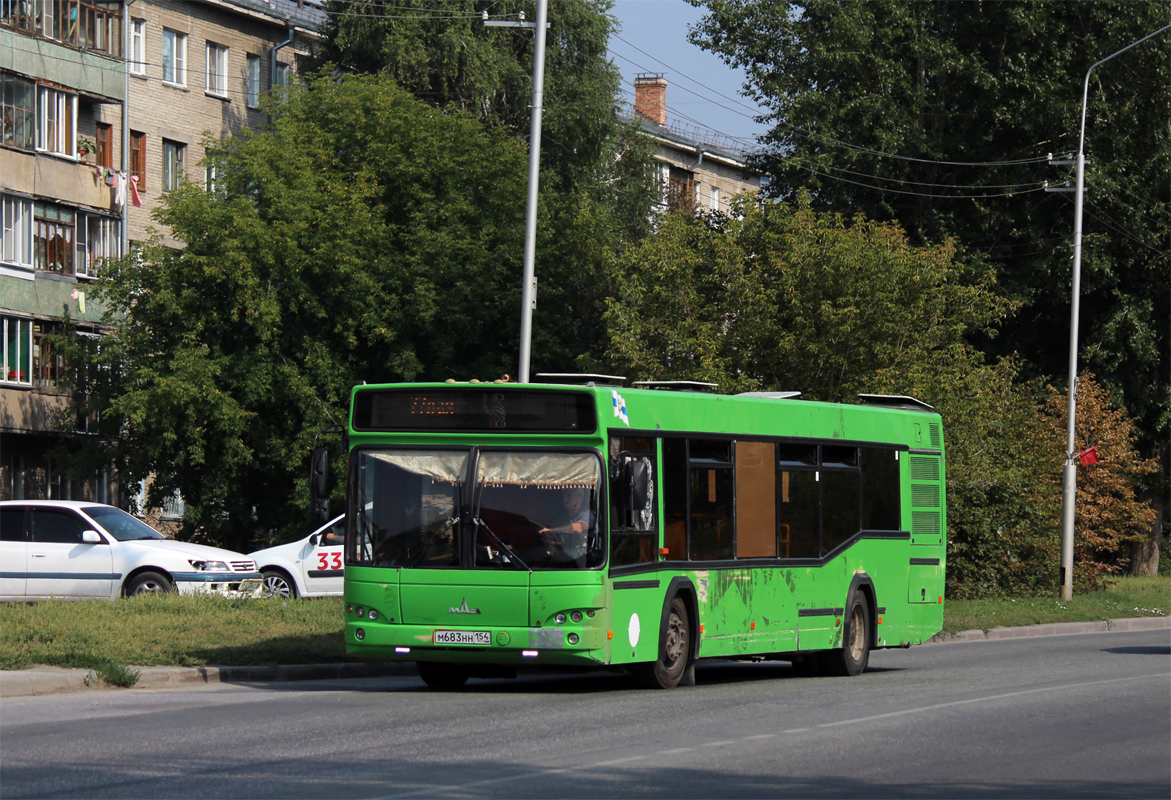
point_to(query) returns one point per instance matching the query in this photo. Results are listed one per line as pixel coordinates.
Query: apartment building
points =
(62, 101)
(197, 68)
(104, 105)
(698, 168)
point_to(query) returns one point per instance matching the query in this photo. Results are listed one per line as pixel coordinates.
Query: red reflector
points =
(664, 551)
(880, 620)
(701, 627)
(838, 621)
(609, 634)
(751, 626)
(941, 598)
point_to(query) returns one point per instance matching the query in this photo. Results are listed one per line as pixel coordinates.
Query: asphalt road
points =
(1085, 715)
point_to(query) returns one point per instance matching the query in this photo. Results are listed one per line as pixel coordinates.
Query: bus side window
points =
(634, 536)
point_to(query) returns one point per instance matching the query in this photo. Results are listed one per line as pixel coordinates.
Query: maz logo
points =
(463, 609)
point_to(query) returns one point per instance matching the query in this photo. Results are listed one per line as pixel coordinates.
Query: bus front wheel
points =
(854, 654)
(674, 651)
(444, 677)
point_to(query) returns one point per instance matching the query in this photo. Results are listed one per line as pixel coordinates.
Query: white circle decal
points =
(633, 630)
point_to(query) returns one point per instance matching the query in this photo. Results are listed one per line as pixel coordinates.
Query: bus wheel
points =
(854, 654)
(674, 651)
(444, 677)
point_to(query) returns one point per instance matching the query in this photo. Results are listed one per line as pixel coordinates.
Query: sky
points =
(701, 89)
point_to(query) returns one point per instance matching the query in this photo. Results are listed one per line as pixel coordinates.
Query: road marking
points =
(954, 703)
(761, 736)
(451, 788)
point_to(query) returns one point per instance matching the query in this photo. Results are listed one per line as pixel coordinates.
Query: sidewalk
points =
(48, 680)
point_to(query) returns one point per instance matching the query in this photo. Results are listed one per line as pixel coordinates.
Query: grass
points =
(201, 631)
(1125, 597)
(171, 631)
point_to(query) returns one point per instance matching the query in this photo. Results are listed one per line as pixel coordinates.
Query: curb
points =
(50, 680)
(1055, 629)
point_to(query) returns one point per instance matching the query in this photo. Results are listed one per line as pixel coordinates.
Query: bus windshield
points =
(528, 510)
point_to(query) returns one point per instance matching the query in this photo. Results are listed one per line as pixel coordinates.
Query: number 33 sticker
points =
(329, 560)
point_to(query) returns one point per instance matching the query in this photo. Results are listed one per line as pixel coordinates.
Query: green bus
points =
(497, 526)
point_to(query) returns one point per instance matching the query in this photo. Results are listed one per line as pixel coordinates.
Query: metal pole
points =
(1069, 475)
(528, 299)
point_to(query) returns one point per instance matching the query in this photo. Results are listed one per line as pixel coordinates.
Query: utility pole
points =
(1069, 475)
(528, 300)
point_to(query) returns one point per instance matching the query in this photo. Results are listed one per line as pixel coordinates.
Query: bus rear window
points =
(474, 410)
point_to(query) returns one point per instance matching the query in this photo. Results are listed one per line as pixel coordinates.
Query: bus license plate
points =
(462, 637)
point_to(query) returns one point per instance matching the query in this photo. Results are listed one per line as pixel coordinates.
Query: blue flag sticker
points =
(619, 407)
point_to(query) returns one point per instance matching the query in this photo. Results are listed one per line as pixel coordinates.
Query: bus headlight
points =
(572, 638)
(373, 614)
(575, 616)
(359, 634)
(559, 619)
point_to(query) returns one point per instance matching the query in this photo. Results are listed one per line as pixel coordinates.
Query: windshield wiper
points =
(480, 523)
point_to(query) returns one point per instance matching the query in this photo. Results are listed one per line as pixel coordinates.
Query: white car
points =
(309, 567)
(70, 549)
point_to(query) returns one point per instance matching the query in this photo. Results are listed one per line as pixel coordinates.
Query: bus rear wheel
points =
(444, 677)
(674, 651)
(854, 654)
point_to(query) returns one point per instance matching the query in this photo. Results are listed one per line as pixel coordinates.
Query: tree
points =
(365, 236)
(940, 116)
(596, 181)
(1110, 518)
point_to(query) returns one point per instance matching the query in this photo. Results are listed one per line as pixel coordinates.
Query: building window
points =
(16, 226)
(18, 14)
(138, 158)
(53, 238)
(138, 46)
(98, 238)
(18, 344)
(282, 79)
(48, 360)
(104, 139)
(217, 69)
(173, 156)
(252, 82)
(680, 189)
(18, 109)
(174, 57)
(57, 122)
(715, 198)
(98, 24)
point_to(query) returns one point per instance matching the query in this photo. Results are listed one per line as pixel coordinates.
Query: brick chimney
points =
(650, 97)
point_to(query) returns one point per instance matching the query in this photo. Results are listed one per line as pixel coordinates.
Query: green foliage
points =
(365, 236)
(785, 297)
(940, 116)
(596, 184)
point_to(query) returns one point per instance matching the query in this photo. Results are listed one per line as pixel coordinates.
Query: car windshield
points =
(121, 525)
(523, 510)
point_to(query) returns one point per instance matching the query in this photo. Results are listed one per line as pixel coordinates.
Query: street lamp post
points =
(1069, 476)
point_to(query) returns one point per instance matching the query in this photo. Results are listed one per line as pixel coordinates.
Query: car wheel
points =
(145, 583)
(277, 584)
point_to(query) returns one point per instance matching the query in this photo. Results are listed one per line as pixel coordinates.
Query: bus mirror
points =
(318, 473)
(637, 484)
